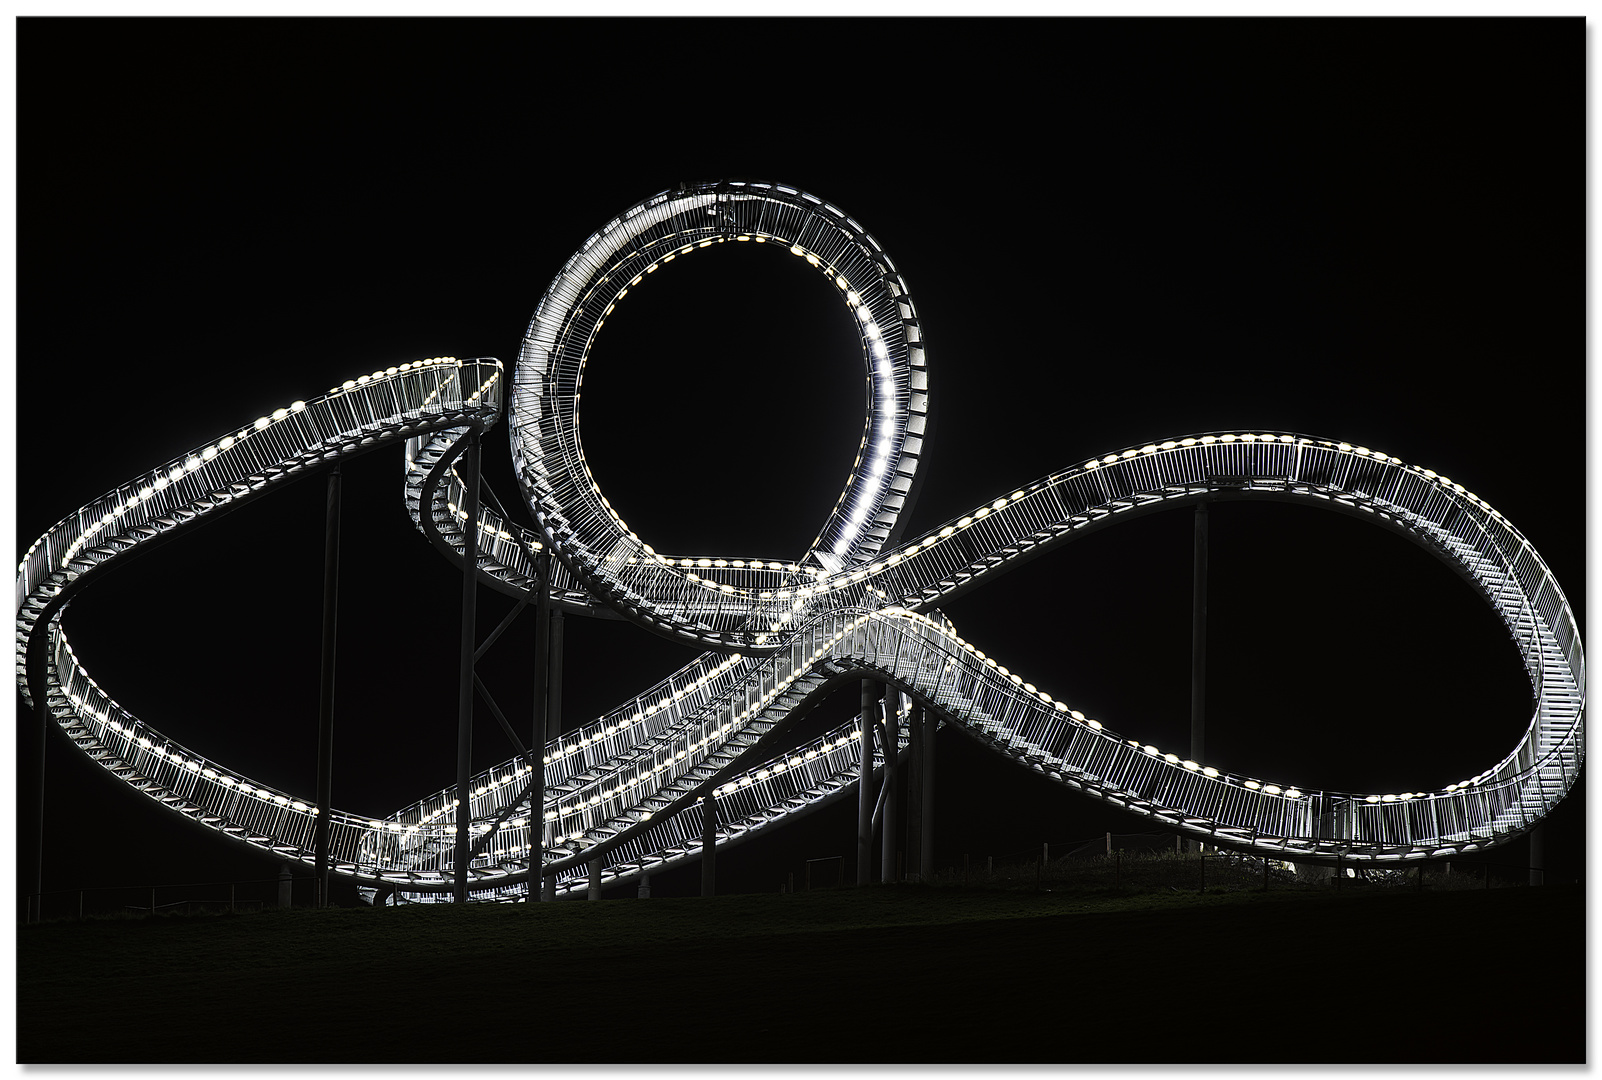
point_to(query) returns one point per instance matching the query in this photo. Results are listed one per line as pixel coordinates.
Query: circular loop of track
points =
(596, 545)
(624, 787)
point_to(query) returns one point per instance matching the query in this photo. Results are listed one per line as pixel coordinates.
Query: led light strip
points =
(847, 606)
(621, 256)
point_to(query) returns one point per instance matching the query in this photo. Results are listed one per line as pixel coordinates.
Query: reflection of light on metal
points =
(854, 602)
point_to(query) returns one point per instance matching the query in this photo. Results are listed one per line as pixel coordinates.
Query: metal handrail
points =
(621, 790)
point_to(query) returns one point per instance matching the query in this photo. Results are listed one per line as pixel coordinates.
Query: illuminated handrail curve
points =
(624, 790)
(929, 663)
(366, 413)
(712, 601)
(593, 542)
(1435, 512)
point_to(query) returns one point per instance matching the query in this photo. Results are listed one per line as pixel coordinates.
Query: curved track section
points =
(363, 414)
(598, 548)
(625, 790)
(601, 814)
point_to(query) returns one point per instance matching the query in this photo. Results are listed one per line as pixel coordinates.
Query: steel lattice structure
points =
(861, 602)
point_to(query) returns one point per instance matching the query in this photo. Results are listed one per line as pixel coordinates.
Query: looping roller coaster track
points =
(861, 602)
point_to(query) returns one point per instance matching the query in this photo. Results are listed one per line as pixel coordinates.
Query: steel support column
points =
(892, 743)
(541, 728)
(41, 712)
(1198, 638)
(553, 672)
(325, 708)
(1198, 642)
(916, 870)
(709, 845)
(865, 800)
(929, 723)
(464, 699)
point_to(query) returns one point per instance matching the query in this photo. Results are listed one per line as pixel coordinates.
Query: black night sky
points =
(1114, 233)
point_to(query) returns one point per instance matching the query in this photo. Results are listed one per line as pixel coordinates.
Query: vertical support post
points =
(1198, 642)
(865, 782)
(325, 706)
(464, 697)
(542, 730)
(41, 736)
(643, 892)
(892, 744)
(553, 670)
(709, 845)
(1537, 856)
(1198, 639)
(594, 892)
(916, 870)
(929, 724)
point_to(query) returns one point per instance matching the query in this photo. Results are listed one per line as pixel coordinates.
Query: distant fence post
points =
(836, 861)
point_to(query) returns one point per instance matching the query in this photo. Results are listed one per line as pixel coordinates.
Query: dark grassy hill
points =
(893, 974)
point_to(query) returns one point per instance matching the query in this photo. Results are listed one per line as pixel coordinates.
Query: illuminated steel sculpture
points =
(623, 793)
